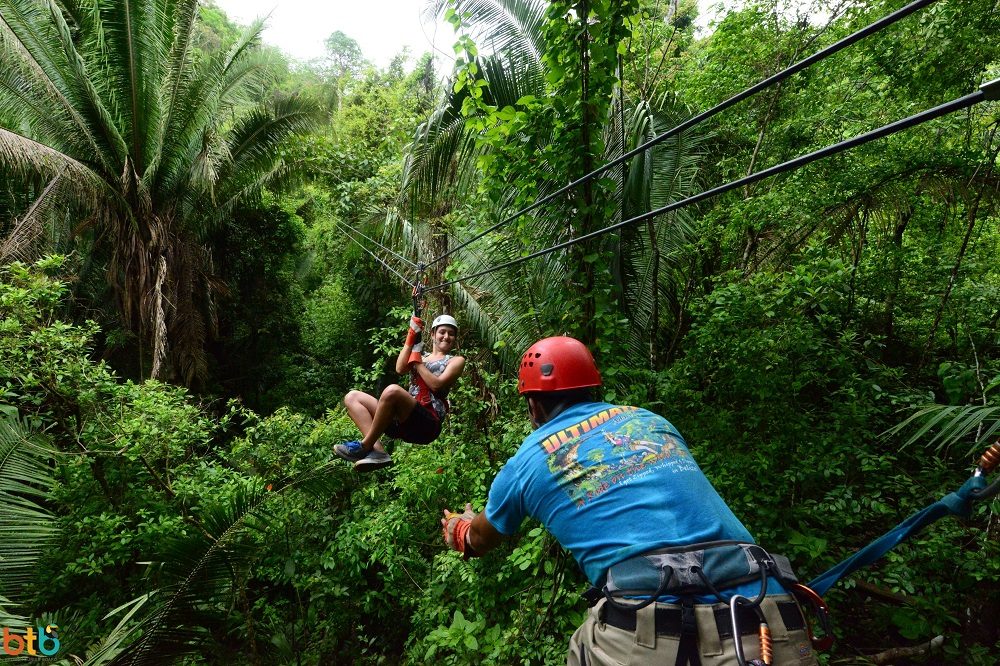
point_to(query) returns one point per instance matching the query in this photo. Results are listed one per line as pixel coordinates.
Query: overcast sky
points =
(381, 27)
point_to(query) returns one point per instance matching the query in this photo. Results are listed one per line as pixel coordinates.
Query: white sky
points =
(381, 27)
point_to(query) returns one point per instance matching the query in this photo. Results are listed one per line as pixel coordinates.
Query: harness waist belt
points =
(668, 620)
(685, 570)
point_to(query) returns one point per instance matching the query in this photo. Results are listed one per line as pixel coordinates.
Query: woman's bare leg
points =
(395, 404)
(361, 408)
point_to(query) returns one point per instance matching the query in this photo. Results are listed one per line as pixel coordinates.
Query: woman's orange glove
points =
(455, 530)
(413, 334)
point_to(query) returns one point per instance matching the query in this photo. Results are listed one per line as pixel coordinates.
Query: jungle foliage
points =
(186, 294)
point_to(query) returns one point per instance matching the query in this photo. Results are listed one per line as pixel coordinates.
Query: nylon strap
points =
(958, 503)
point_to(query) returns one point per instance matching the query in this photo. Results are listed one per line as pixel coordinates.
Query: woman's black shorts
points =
(422, 426)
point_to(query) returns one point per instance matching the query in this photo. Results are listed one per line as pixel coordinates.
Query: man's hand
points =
(455, 528)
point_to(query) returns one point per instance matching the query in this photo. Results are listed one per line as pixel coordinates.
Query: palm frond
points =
(502, 26)
(8, 619)
(26, 158)
(951, 425)
(35, 35)
(439, 163)
(136, 50)
(26, 527)
(650, 255)
(27, 231)
(254, 141)
(509, 79)
(226, 81)
(119, 640)
(177, 73)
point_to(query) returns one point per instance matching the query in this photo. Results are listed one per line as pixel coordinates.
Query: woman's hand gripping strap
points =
(413, 335)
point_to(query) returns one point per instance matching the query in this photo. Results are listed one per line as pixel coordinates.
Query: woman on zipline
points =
(413, 416)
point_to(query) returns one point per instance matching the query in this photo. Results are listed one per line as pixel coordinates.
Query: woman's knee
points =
(394, 393)
(353, 398)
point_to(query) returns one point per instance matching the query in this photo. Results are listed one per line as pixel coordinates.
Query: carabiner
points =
(987, 463)
(764, 633)
(418, 299)
(806, 595)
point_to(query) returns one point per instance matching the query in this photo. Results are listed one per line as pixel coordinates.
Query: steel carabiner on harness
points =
(764, 633)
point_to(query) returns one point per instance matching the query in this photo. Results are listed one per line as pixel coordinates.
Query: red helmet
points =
(557, 364)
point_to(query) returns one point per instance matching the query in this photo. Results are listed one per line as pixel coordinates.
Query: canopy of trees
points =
(204, 245)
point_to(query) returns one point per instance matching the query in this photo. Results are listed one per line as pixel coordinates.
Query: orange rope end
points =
(990, 459)
(766, 648)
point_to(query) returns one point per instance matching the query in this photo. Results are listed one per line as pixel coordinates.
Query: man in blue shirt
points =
(619, 489)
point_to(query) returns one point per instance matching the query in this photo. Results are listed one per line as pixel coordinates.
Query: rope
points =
(691, 122)
(411, 264)
(347, 230)
(987, 91)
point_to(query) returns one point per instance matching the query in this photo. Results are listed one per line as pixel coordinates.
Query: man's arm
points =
(483, 537)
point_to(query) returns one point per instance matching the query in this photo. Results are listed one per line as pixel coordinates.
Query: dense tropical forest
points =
(205, 245)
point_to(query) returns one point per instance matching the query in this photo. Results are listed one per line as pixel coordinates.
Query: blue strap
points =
(958, 503)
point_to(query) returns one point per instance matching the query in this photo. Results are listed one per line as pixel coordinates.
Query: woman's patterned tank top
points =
(419, 390)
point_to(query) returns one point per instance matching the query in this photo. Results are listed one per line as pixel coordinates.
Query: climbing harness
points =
(707, 568)
(702, 568)
(698, 569)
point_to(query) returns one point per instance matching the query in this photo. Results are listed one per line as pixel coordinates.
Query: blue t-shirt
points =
(609, 483)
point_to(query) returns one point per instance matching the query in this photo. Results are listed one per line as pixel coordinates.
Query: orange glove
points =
(455, 530)
(413, 334)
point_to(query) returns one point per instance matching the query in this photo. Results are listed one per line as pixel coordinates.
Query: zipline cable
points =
(988, 91)
(347, 231)
(411, 264)
(705, 115)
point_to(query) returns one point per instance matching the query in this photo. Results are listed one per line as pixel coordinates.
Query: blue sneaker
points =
(350, 451)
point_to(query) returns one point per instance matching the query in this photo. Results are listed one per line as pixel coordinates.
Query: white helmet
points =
(446, 320)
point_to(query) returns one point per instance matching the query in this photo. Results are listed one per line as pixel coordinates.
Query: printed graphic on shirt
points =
(572, 433)
(587, 459)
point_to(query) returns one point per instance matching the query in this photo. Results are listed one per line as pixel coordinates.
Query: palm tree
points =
(440, 173)
(152, 142)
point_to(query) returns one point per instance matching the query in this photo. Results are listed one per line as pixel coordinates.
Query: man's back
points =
(610, 482)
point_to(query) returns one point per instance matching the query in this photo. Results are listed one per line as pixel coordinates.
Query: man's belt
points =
(669, 620)
(695, 569)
